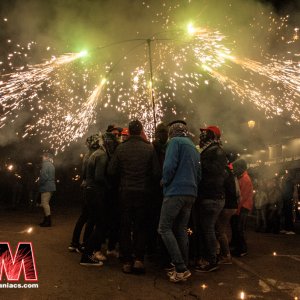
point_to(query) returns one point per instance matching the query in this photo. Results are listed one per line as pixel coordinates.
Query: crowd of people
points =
(188, 208)
(274, 205)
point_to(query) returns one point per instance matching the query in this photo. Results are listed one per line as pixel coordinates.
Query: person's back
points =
(96, 169)
(134, 162)
(180, 172)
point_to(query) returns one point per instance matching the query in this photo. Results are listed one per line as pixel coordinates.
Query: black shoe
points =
(206, 268)
(73, 247)
(169, 267)
(87, 260)
(47, 222)
(44, 221)
(80, 249)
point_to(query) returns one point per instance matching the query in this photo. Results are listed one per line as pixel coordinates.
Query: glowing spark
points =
(242, 295)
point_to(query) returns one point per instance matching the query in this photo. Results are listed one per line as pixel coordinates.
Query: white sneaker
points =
(282, 231)
(176, 276)
(99, 256)
(290, 232)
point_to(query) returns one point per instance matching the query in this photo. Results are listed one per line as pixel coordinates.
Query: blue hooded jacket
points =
(181, 170)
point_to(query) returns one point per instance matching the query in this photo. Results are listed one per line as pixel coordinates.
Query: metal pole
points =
(151, 82)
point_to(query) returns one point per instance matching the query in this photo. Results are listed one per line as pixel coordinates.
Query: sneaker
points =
(112, 253)
(180, 276)
(127, 268)
(88, 260)
(80, 249)
(99, 256)
(207, 268)
(243, 253)
(73, 247)
(282, 231)
(225, 260)
(138, 267)
(290, 232)
(169, 267)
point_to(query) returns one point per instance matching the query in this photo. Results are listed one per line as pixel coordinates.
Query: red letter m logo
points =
(13, 266)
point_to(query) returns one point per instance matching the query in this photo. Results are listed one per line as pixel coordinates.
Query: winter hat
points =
(178, 130)
(94, 141)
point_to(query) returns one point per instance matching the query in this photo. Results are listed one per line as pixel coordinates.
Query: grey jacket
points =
(47, 177)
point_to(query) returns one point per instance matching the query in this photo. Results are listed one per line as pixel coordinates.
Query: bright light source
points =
(29, 230)
(274, 253)
(83, 53)
(191, 29)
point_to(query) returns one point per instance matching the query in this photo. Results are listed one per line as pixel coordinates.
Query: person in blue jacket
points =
(181, 174)
(47, 186)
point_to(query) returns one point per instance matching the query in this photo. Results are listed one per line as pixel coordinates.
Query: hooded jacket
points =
(96, 169)
(213, 165)
(246, 189)
(181, 169)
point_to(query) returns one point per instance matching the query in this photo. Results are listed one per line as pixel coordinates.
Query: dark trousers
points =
(238, 227)
(97, 215)
(133, 225)
(82, 220)
(153, 214)
(113, 211)
(288, 207)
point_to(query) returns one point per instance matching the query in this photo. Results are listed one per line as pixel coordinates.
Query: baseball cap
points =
(216, 130)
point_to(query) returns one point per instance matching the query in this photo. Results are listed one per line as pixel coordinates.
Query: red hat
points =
(216, 130)
(125, 131)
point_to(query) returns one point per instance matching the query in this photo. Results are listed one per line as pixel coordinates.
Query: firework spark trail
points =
(73, 126)
(285, 72)
(21, 86)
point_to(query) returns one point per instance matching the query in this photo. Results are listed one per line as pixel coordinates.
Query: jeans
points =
(133, 225)
(222, 229)
(209, 210)
(174, 218)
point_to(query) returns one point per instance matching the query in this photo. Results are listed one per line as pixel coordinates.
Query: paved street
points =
(260, 275)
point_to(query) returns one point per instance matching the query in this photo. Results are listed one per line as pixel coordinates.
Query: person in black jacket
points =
(211, 195)
(96, 190)
(232, 198)
(83, 218)
(135, 163)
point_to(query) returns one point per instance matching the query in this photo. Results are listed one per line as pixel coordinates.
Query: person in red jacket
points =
(239, 221)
